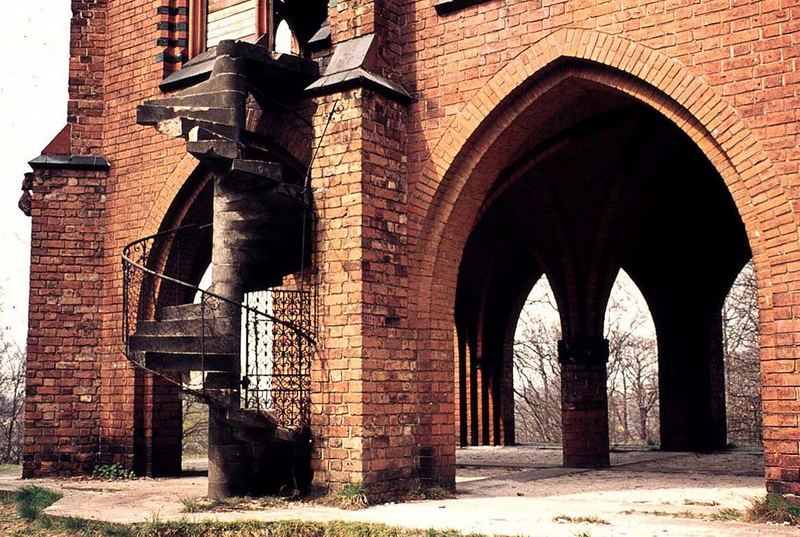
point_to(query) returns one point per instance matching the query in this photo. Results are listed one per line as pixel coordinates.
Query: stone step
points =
(186, 312)
(257, 174)
(184, 363)
(251, 418)
(210, 327)
(281, 201)
(184, 344)
(153, 113)
(214, 149)
(218, 380)
(258, 427)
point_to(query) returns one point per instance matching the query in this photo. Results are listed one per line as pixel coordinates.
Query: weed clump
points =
(587, 519)
(775, 509)
(429, 492)
(113, 472)
(351, 496)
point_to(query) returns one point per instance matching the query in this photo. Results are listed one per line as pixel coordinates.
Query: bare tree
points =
(12, 396)
(741, 353)
(195, 426)
(537, 383)
(632, 368)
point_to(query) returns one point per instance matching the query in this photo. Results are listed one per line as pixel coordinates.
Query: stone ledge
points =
(72, 162)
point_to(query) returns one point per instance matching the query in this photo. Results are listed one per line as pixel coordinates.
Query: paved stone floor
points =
(503, 491)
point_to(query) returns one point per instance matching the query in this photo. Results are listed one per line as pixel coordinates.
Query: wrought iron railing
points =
(254, 355)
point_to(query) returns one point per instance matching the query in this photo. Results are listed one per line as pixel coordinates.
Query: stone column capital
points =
(585, 351)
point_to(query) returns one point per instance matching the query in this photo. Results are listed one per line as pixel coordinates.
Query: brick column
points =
(584, 402)
(61, 432)
(364, 380)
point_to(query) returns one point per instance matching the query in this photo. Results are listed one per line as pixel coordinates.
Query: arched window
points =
(285, 40)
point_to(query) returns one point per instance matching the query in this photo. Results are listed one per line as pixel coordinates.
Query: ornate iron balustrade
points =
(254, 355)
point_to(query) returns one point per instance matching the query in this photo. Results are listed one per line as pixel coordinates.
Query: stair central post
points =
(227, 471)
(228, 457)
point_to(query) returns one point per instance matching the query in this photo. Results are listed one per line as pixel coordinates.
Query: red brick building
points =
(396, 181)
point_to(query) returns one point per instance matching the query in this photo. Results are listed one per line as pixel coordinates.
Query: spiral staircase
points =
(243, 346)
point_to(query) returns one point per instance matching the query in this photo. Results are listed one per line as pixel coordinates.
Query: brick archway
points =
(164, 201)
(643, 73)
(450, 192)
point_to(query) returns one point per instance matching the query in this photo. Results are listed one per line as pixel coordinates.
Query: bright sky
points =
(34, 49)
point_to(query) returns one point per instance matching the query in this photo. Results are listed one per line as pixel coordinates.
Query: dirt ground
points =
(500, 491)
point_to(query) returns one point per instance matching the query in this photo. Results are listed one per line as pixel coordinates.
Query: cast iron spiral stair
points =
(206, 348)
(249, 364)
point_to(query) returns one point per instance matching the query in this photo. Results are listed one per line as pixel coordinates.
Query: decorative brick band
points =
(166, 42)
(170, 26)
(172, 11)
(172, 23)
(169, 59)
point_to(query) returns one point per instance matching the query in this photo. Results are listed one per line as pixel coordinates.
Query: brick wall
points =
(85, 108)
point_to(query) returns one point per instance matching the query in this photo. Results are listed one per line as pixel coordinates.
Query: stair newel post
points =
(228, 456)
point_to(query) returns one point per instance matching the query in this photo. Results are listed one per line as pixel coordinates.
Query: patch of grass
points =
(726, 514)
(583, 534)
(9, 468)
(286, 528)
(113, 472)
(45, 526)
(179, 528)
(31, 501)
(586, 519)
(429, 492)
(193, 505)
(676, 514)
(351, 496)
(775, 509)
